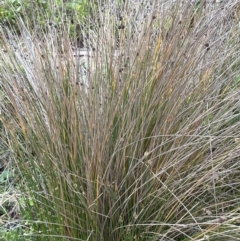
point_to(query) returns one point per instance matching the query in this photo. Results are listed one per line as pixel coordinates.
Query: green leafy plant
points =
(5, 176)
(12, 10)
(132, 141)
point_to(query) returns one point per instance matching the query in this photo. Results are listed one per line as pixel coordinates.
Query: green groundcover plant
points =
(137, 138)
(39, 12)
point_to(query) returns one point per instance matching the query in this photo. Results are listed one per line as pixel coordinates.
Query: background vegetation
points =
(137, 138)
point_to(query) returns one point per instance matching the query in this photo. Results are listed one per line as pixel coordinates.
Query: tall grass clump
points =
(137, 138)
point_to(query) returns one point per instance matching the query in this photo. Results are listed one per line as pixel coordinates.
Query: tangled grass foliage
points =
(138, 139)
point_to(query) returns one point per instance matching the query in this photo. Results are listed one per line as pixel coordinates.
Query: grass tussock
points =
(139, 138)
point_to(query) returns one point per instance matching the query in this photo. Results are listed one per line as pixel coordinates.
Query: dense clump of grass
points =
(138, 139)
